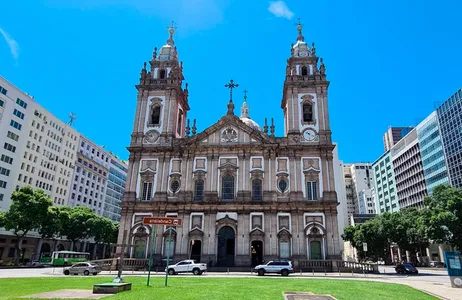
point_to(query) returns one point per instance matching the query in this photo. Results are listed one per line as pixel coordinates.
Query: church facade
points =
(244, 195)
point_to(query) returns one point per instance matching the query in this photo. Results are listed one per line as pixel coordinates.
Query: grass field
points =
(216, 288)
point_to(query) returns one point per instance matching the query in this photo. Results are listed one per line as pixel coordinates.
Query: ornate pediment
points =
(196, 232)
(257, 233)
(226, 221)
(284, 233)
(229, 131)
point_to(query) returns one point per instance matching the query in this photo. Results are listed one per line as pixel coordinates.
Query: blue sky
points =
(389, 62)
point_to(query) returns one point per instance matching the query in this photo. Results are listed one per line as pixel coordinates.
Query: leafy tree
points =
(443, 215)
(102, 230)
(76, 222)
(28, 209)
(2, 218)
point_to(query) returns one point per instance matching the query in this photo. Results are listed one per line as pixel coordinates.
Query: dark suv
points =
(279, 267)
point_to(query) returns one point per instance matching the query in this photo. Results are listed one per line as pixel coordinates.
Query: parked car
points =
(406, 269)
(84, 268)
(35, 264)
(279, 267)
(437, 264)
(185, 266)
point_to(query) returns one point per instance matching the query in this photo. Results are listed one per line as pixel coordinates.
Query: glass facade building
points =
(432, 153)
(386, 196)
(115, 190)
(450, 122)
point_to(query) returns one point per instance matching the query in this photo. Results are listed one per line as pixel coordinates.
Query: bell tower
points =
(304, 101)
(162, 104)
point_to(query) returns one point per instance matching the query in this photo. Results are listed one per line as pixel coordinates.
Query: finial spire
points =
(171, 31)
(245, 107)
(300, 36)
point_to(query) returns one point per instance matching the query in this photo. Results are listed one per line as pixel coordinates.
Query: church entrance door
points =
(225, 251)
(196, 250)
(256, 252)
(315, 249)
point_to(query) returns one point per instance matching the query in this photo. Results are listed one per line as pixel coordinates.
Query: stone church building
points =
(244, 194)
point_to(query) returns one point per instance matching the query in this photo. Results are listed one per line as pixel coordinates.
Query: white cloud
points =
(14, 47)
(280, 10)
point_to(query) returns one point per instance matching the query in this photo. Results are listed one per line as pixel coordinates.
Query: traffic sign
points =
(365, 247)
(162, 221)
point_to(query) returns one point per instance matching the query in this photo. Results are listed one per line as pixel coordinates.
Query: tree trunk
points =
(17, 247)
(72, 246)
(104, 251)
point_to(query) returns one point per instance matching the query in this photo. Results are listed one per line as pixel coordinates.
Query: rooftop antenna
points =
(72, 117)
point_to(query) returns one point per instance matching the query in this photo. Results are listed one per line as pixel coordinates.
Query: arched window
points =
(307, 112)
(147, 191)
(162, 74)
(199, 190)
(304, 71)
(155, 115)
(180, 122)
(227, 187)
(257, 189)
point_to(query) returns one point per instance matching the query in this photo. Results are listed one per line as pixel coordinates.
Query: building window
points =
(21, 103)
(15, 124)
(18, 114)
(227, 185)
(304, 71)
(282, 185)
(307, 112)
(13, 136)
(162, 74)
(147, 191)
(199, 190)
(6, 159)
(174, 185)
(3, 90)
(155, 115)
(311, 190)
(179, 129)
(9, 147)
(257, 193)
(284, 249)
(169, 246)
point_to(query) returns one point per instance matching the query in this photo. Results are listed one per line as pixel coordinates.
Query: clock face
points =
(309, 135)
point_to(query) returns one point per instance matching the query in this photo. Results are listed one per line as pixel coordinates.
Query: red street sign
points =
(162, 221)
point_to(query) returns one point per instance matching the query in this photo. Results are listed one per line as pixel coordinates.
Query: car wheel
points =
(66, 272)
(285, 273)
(171, 272)
(196, 272)
(86, 273)
(261, 272)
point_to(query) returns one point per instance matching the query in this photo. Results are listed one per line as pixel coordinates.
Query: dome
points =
(251, 123)
(301, 49)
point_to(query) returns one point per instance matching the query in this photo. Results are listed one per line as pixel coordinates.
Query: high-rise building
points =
(393, 135)
(98, 180)
(431, 152)
(386, 197)
(409, 173)
(244, 194)
(38, 149)
(450, 121)
(358, 183)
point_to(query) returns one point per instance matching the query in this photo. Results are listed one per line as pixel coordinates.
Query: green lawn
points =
(216, 288)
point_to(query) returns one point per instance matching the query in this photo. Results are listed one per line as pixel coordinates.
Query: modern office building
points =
(358, 177)
(393, 135)
(450, 122)
(115, 187)
(366, 204)
(409, 174)
(431, 152)
(386, 197)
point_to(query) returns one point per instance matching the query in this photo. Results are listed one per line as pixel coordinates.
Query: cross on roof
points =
(245, 95)
(231, 85)
(172, 26)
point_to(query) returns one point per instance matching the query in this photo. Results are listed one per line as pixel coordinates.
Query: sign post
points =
(153, 245)
(160, 221)
(454, 268)
(365, 249)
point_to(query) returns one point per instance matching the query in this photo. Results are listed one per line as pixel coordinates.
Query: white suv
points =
(279, 267)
